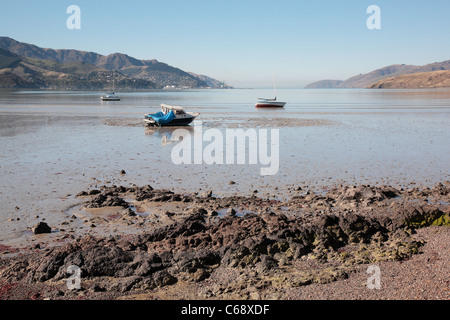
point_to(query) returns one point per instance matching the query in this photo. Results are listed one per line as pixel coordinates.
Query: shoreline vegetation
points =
(313, 245)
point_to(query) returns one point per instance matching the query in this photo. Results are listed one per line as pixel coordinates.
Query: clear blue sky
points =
(243, 41)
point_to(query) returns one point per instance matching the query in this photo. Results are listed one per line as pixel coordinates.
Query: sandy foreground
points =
(141, 243)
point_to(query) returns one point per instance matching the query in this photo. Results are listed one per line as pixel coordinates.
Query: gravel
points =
(423, 277)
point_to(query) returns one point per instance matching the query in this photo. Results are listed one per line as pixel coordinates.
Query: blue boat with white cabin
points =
(170, 116)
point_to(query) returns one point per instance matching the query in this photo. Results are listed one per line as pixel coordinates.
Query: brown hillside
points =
(433, 79)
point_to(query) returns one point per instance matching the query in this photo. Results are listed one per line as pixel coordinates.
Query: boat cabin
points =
(177, 110)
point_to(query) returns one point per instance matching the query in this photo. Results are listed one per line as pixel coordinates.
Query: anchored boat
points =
(270, 103)
(111, 96)
(170, 116)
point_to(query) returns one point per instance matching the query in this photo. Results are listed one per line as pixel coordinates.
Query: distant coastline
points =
(396, 75)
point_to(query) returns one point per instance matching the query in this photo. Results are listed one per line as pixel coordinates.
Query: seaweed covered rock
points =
(193, 246)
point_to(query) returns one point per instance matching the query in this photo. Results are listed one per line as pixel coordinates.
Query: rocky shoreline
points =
(199, 246)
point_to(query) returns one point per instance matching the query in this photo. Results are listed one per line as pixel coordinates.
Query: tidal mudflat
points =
(363, 180)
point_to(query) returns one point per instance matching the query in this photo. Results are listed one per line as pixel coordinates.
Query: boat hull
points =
(273, 104)
(177, 122)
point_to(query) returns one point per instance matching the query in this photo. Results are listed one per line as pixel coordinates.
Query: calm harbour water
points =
(55, 144)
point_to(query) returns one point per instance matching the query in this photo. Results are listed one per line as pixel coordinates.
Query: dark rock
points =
(266, 264)
(128, 212)
(147, 193)
(41, 227)
(213, 213)
(389, 192)
(199, 211)
(97, 288)
(362, 225)
(106, 200)
(199, 275)
(208, 257)
(206, 194)
(163, 278)
(169, 214)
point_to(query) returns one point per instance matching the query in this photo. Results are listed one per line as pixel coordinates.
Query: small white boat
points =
(270, 103)
(170, 116)
(111, 96)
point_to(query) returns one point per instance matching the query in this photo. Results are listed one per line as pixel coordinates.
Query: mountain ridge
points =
(368, 79)
(162, 74)
(20, 72)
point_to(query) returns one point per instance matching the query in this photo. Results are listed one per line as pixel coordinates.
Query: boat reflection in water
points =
(165, 133)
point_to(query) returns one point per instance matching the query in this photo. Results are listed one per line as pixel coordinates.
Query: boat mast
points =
(274, 86)
(114, 81)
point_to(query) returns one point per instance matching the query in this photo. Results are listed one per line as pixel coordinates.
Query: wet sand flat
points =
(53, 149)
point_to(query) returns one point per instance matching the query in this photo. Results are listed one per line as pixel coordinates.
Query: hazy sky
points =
(243, 42)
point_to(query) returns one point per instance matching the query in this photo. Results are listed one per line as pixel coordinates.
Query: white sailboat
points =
(269, 102)
(112, 96)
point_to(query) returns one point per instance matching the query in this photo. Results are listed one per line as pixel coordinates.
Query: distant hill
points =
(324, 84)
(163, 74)
(150, 70)
(20, 72)
(364, 80)
(433, 79)
(367, 79)
(213, 83)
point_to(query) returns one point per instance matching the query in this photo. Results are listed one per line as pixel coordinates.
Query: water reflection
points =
(165, 133)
